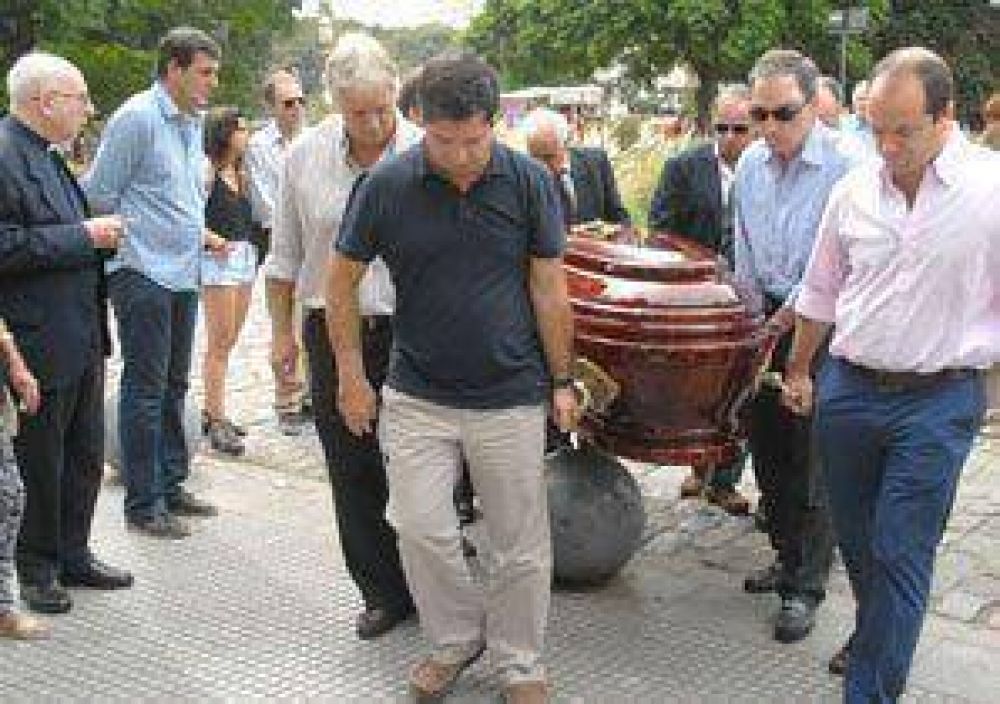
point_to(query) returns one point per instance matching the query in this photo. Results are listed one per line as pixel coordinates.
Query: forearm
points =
(554, 315)
(809, 336)
(280, 296)
(7, 348)
(343, 316)
(10, 355)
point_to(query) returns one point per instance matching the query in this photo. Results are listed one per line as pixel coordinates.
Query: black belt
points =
(884, 380)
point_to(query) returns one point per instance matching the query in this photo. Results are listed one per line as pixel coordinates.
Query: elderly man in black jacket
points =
(585, 179)
(692, 200)
(52, 297)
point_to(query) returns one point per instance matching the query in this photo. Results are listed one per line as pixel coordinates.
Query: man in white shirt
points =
(319, 172)
(286, 105)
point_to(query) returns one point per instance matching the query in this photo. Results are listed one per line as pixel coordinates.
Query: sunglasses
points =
(785, 113)
(292, 102)
(736, 128)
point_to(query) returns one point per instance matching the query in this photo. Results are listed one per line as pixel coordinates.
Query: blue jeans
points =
(893, 460)
(156, 332)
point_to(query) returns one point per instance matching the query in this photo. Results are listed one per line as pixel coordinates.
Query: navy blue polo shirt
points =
(465, 330)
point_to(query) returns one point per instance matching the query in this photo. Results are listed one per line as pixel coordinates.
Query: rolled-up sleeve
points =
(827, 267)
(285, 258)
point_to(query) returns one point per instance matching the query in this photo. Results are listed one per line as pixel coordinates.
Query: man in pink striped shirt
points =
(906, 271)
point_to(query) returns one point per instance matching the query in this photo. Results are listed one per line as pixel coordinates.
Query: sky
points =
(401, 13)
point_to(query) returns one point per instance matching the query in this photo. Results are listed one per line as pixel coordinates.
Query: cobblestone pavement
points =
(257, 603)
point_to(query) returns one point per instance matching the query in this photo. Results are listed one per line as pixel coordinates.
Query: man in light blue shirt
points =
(150, 169)
(781, 186)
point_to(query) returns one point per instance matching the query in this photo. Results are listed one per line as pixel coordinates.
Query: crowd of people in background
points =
(399, 223)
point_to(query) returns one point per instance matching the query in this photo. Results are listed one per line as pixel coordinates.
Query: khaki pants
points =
(424, 443)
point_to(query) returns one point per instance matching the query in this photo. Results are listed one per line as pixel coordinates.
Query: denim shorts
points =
(237, 267)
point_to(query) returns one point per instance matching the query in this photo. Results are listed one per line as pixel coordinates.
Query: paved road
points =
(257, 603)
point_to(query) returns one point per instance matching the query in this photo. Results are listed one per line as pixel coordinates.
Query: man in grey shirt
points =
(782, 184)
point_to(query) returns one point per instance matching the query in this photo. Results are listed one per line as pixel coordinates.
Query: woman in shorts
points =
(227, 278)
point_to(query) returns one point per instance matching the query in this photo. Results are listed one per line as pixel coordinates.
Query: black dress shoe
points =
(165, 526)
(795, 620)
(96, 575)
(763, 581)
(375, 622)
(184, 503)
(47, 598)
(838, 663)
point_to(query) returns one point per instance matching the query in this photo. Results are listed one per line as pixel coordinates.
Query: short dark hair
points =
(787, 62)
(930, 69)
(181, 44)
(220, 125)
(456, 86)
(409, 92)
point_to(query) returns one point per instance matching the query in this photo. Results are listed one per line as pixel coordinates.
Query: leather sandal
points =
(692, 486)
(729, 500)
(23, 627)
(431, 679)
(526, 693)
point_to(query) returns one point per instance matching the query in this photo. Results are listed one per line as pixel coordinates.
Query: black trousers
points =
(60, 452)
(357, 473)
(792, 488)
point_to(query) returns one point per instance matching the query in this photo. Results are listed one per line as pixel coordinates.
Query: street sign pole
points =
(844, 22)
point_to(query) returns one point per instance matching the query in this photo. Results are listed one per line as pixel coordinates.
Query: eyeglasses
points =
(83, 97)
(785, 113)
(292, 102)
(735, 128)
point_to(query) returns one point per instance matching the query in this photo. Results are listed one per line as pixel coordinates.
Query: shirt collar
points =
(947, 164)
(495, 167)
(271, 132)
(167, 105)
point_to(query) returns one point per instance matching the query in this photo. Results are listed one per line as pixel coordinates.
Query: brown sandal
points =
(431, 680)
(23, 627)
(526, 693)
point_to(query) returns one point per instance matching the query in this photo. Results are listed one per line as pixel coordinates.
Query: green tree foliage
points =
(114, 41)
(965, 32)
(546, 41)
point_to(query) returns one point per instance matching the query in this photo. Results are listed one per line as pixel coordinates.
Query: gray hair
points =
(33, 73)
(540, 118)
(787, 62)
(358, 60)
(731, 93)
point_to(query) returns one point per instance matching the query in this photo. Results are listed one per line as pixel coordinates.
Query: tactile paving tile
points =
(257, 605)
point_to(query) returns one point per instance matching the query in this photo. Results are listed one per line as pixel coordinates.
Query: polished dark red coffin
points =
(669, 327)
